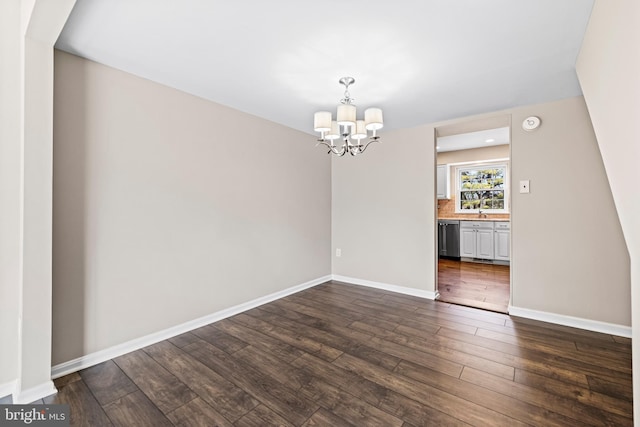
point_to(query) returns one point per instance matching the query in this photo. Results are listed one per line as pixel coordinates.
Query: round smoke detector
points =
(531, 123)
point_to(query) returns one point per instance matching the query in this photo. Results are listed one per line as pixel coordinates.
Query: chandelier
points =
(346, 126)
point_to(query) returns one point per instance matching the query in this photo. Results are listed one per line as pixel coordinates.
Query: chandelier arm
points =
(369, 143)
(355, 149)
(332, 148)
(343, 149)
(339, 153)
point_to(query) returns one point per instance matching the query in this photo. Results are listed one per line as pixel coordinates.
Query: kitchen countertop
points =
(477, 219)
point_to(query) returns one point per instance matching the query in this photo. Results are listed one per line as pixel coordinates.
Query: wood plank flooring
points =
(484, 286)
(345, 355)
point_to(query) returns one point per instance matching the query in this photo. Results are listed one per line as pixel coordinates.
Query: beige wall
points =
(383, 211)
(608, 68)
(168, 207)
(568, 255)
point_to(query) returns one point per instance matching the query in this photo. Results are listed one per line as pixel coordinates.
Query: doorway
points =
(473, 213)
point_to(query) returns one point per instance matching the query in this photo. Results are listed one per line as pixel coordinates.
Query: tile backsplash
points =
(447, 209)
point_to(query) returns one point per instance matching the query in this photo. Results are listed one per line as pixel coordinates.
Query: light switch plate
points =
(524, 186)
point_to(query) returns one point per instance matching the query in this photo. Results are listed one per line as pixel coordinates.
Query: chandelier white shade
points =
(347, 126)
(322, 121)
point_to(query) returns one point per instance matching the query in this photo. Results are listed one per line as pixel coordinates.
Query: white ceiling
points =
(421, 61)
(465, 141)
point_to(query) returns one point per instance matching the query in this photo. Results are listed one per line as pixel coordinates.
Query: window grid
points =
(482, 187)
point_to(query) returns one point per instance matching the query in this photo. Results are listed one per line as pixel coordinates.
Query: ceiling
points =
(465, 141)
(421, 61)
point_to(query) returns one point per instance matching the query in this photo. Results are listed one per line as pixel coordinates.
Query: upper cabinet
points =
(443, 182)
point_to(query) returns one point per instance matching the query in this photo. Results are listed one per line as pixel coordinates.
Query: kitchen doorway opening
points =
(473, 216)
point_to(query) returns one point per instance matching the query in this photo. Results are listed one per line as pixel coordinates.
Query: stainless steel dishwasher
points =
(449, 238)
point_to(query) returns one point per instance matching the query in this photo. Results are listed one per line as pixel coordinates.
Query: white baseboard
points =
(574, 322)
(34, 393)
(138, 343)
(559, 319)
(7, 389)
(387, 287)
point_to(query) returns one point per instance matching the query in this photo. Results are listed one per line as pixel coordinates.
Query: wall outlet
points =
(524, 186)
(338, 252)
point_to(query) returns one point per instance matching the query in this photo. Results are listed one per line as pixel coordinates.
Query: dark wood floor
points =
(345, 355)
(484, 286)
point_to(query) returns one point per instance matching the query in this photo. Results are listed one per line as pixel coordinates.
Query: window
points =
(482, 187)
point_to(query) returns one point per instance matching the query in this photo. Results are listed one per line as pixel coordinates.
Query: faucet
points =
(481, 214)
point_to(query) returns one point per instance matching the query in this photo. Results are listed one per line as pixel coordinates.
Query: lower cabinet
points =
(484, 243)
(476, 239)
(467, 241)
(502, 239)
(488, 240)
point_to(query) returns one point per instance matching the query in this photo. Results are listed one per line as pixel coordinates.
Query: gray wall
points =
(168, 207)
(569, 255)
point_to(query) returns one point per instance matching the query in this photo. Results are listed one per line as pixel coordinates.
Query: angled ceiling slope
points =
(421, 61)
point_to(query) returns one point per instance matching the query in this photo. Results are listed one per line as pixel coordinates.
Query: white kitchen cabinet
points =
(476, 239)
(442, 182)
(484, 243)
(502, 240)
(467, 242)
